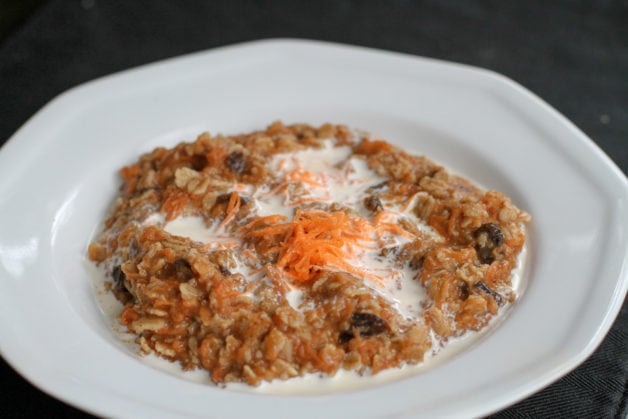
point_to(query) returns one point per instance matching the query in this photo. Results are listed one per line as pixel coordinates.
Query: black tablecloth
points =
(574, 54)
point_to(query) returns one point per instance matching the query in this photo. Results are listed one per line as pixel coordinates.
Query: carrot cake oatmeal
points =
(303, 249)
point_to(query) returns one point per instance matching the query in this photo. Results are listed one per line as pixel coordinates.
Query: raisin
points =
(463, 290)
(198, 162)
(416, 262)
(118, 277)
(366, 324)
(119, 286)
(389, 251)
(345, 336)
(180, 269)
(235, 162)
(379, 185)
(488, 237)
(485, 255)
(493, 233)
(488, 290)
(224, 270)
(373, 203)
(183, 270)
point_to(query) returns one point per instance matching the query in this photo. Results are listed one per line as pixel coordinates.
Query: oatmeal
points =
(301, 250)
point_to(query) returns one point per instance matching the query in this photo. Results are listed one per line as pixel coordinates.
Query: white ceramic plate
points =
(58, 177)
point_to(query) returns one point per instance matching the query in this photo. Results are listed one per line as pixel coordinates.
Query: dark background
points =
(573, 54)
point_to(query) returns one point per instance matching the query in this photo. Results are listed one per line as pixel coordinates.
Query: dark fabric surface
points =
(574, 54)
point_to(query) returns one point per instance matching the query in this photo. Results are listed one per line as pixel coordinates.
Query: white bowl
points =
(58, 178)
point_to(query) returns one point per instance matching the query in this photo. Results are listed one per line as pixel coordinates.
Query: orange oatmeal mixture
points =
(311, 249)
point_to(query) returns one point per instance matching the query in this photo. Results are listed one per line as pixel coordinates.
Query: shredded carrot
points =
(174, 203)
(270, 219)
(383, 226)
(406, 206)
(276, 190)
(304, 176)
(379, 218)
(393, 229)
(274, 274)
(316, 240)
(233, 206)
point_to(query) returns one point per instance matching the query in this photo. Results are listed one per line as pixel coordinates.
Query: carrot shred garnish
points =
(383, 226)
(406, 206)
(393, 229)
(233, 206)
(316, 240)
(270, 219)
(174, 204)
(304, 176)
